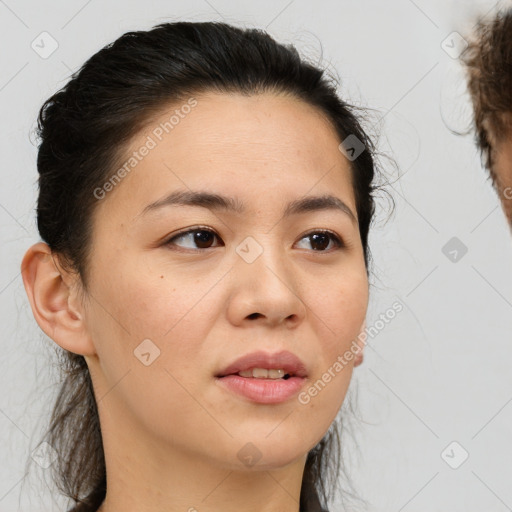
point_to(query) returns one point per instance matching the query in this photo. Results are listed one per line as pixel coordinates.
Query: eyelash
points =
(339, 244)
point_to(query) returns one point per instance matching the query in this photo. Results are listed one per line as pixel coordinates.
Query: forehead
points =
(265, 126)
(249, 145)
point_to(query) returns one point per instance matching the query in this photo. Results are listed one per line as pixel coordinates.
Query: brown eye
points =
(201, 238)
(319, 240)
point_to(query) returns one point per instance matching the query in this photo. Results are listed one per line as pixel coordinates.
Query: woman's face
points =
(167, 313)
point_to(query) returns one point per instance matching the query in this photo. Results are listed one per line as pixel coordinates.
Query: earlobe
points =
(361, 339)
(52, 301)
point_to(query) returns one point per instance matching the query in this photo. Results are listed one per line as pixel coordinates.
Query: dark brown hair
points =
(84, 129)
(488, 61)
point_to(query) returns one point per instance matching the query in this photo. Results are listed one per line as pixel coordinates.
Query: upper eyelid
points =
(204, 228)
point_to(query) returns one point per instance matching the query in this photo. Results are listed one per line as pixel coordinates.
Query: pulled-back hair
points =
(488, 61)
(84, 130)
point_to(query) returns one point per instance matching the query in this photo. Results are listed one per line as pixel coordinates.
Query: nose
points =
(266, 291)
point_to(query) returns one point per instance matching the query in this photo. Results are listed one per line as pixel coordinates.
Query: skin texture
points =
(502, 167)
(171, 433)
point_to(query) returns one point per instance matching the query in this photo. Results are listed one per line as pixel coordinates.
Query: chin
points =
(273, 459)
(268, 452)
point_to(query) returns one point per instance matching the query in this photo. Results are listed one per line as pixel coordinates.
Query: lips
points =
(285, 360)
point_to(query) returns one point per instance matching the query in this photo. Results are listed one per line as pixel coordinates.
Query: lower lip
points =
(263, 391)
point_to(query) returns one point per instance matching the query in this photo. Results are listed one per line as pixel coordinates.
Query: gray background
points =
(439, 372)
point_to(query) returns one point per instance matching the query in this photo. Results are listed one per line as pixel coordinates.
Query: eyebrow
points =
(214, 201)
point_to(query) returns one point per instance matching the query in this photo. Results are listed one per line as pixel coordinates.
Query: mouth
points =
(266, 365)
(263, 373)
(264, 378)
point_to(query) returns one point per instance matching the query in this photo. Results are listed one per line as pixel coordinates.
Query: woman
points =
(204, 205)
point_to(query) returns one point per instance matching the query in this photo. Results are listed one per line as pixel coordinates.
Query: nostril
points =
(254, 315)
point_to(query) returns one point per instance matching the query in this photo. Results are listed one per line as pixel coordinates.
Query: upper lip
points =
(285, 360)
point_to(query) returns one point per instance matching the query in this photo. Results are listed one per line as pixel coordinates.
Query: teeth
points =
(262, 373)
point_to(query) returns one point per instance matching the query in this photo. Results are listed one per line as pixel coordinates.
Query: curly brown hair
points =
(488, 61)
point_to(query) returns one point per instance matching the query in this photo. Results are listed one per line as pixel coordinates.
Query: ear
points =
(52, 295)
(361, 342)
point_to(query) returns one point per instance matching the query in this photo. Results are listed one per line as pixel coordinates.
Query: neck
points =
(145, 474)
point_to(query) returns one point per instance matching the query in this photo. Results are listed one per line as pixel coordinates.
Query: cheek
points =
(147, 307)
(503, 171)
(175, 312)
(340, 309)
(340, 313)
(157, 304)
